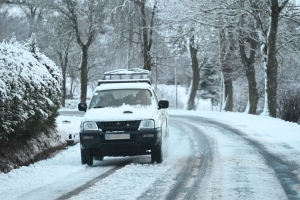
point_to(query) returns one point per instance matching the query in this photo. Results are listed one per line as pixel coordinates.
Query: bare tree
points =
(248, 63)
(226, 56)
(85, 19)
(248, 43)
(147, 31)
(63, 55)
(196, 74)
(268, 37)
(136, 32)
(188, 35)
(35, 11)
(126, 41)
(271, 64)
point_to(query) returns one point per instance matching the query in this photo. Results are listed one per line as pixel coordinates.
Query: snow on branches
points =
(30, 89)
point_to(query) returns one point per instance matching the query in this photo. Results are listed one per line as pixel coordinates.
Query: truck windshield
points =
(117, 98)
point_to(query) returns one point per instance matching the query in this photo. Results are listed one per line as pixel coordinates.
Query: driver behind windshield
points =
(101, 101)
(142, 97)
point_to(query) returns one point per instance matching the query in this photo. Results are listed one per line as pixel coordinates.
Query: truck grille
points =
(119, 125)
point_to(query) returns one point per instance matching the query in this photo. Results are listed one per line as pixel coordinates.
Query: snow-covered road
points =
(61, 176)
(207, 160)
(238, 170)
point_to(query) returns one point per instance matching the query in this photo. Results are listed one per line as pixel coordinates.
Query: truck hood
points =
(124, 113)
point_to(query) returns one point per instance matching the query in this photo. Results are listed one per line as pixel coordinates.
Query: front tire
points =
(86, 157)
(157, 154)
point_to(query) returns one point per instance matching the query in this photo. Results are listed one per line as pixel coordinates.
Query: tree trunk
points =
(146, 32)
(228, 92)
(226, 54)
(84, 73)
(146, 52)
(196, 76)
(63, 69)
(252, 89)
(64, 87)
(64, 60)
(271, 66)
(250, 71)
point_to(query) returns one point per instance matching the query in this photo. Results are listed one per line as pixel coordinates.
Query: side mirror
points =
(82, 107)
(163, 104)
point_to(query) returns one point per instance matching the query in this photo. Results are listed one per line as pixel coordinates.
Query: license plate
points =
(117, 136)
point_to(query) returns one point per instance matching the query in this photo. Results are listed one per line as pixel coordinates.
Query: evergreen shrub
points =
(30, 90)
(289, 106)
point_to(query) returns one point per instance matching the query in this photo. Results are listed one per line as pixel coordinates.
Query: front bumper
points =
(138, 143)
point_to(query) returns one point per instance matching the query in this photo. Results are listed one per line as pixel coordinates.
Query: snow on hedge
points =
(30, 88)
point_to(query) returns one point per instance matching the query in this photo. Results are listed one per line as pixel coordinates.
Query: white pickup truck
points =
(123, 118)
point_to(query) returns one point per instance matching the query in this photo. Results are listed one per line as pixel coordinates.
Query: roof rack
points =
(126, 76)
(124, 81)
(135, 73)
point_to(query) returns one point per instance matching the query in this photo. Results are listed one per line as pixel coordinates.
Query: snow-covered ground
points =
(279, 137)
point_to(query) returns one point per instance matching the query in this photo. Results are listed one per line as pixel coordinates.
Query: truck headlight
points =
(90, 126)
(146, 123)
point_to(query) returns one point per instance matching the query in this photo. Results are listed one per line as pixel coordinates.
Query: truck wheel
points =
(157, 154)
(83, 156)
(90, 158)
(86, 157)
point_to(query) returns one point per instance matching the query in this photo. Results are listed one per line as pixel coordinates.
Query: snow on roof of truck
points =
(128, 71)
(124, 85)
(126, 75)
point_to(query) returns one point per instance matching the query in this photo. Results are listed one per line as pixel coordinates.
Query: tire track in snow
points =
(90, 183)
(61, 189)
(284, 170)
(177, 141)
(191, 175)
